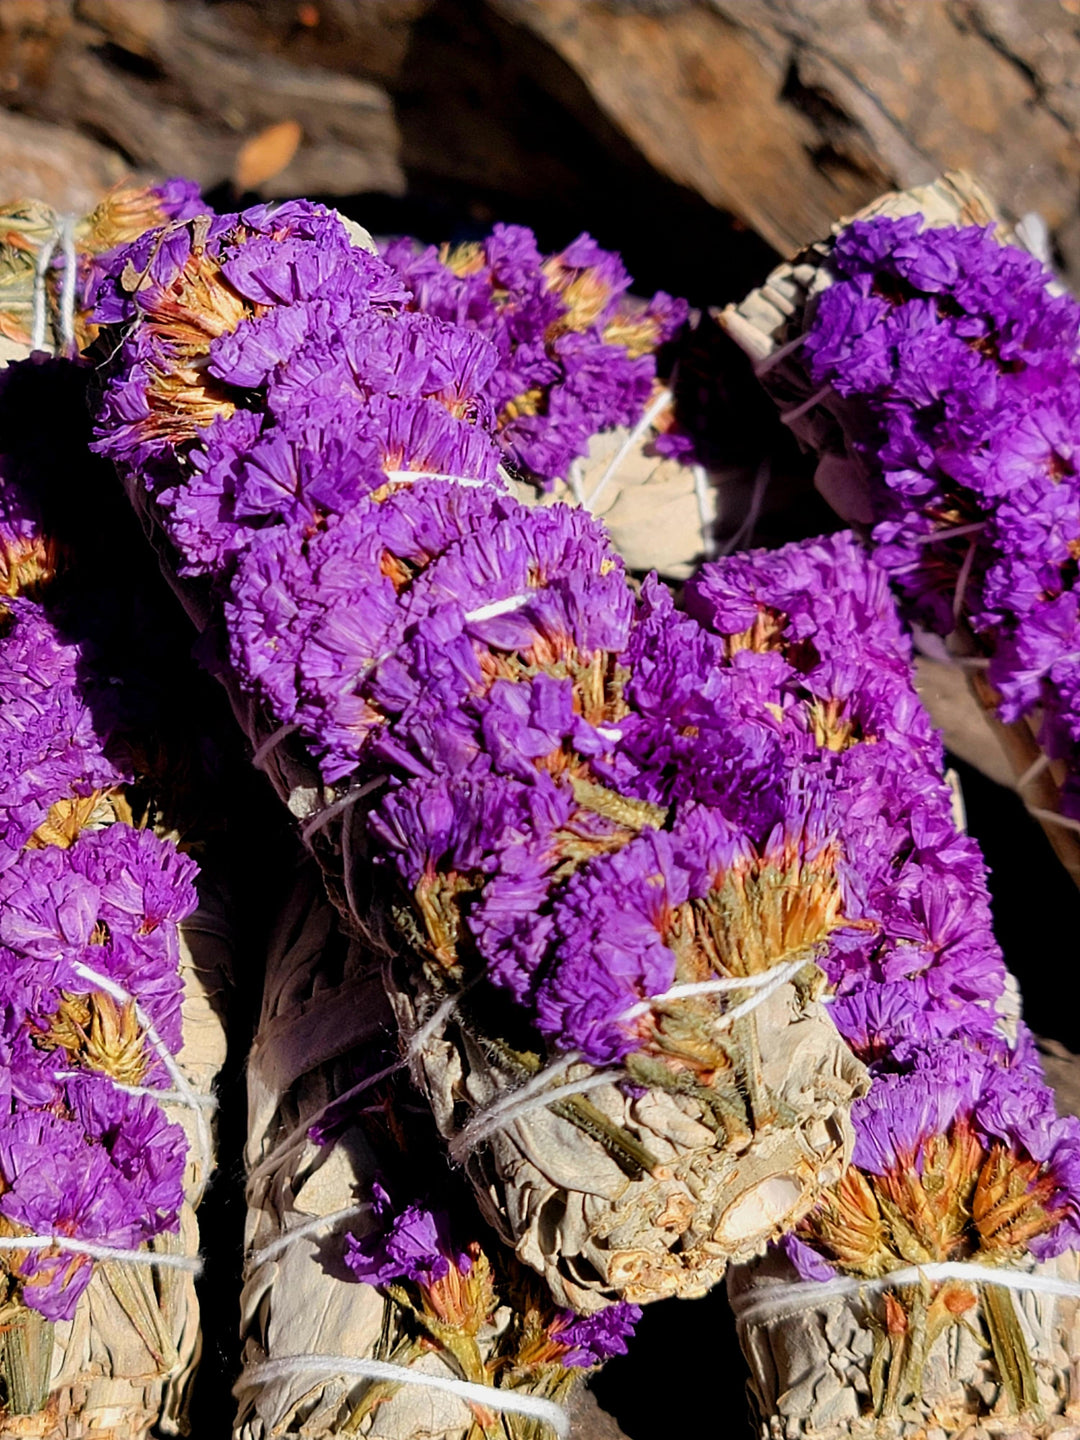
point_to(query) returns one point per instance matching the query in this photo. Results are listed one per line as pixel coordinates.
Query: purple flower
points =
(576, 356)
(613, 923)
(963, 365)
(592, 1339)
(414, 1245)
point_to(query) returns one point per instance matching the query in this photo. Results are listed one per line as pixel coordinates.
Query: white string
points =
(510, 1402)
(962, 581)
(158, 1259)
(302, 1232)
(950, 534)
(346, 872)
(271, 743)
(176, 1075)
(755, 1306)
(1033, 771)
(165, 1097)
(67, 291)
(327, 813)
(780, 353)
(1053, 818)
(574, 479)
(488, 1121)
(768, 981)
(701, 495)
(662, 401)
(419, 1038)
(41, 270)
(500, 607)
(534, 1096)
(790, 416)
(470, 482)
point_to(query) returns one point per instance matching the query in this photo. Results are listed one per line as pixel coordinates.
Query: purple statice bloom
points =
(557, 552)
(112, 902)
(146, 1151)
(201, 510)
(697, 729)
(903, 1111)
(592, 1339)
(56, 1183)
(963, 364)
(442, 826)
(414, 1244)
(576, 357)
(311, 618)
(806, 1260)
(180, 199)
(875, 1018)
(52, 738)
(610, 949)
(1000, 1091)
(1043, 651)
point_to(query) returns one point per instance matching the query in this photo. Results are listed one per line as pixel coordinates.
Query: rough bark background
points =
(699, 133)
(702, 138)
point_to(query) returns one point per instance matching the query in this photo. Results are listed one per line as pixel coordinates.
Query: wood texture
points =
(777, 115)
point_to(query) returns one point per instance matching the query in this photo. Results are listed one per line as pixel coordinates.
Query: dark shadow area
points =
(681, 1347)
(1036, 906)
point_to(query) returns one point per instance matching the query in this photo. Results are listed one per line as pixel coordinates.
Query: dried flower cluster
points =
(451, 1295)
(554, 807)
(88, 902)
(953, 363)
(959, 1153)
(955, 358)
(576, 354)
(551, 761)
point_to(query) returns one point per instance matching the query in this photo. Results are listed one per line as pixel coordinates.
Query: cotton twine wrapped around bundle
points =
(615, 1194)
(44, 259)
(822, 1356)
(771, 324)
(934, 1290)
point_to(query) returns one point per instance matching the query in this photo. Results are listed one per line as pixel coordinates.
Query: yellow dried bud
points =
(99, 1034)
(27, 565)
(69, 817)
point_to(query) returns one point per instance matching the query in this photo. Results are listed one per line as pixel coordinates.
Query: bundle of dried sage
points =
(112, 964)
(505, 758)
(45, 261)
(938, 348)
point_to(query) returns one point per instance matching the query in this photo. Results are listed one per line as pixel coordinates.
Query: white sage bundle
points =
(125, 1364)
(547, 615)
(448, 1338)
(45, 258)
(112, 965)
(920, 1356)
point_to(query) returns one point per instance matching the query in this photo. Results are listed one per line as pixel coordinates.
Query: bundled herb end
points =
(347, 1260)
(962, 1172)
(108, 972)
(45, 261)
(465, 703)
